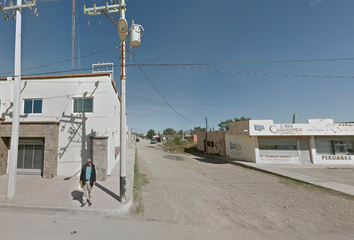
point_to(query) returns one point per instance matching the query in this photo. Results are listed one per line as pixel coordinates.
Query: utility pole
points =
(182, 133)
(73, 38)
(16, 13)
(206, 134)
(135, 33)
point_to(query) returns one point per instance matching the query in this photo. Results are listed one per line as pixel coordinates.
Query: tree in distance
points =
(197, 130)
(224, 125)
(150, 133)
(169, 131)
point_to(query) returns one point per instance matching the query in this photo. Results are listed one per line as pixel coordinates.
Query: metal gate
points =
(30, 156)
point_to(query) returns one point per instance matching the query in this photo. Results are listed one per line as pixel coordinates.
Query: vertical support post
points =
(206, 134)
(123, 128)
(73, 38)
(182, 133)
(11, 182)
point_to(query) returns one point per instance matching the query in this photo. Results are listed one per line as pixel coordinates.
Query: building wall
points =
(75, 129)
(47, 130)
(201, 137)
(4, 146)
(217, 138)
(240, 147)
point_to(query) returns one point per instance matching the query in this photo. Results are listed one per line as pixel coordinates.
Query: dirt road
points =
(238, 203)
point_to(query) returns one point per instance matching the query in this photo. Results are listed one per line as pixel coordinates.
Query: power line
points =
(187, 68)
(254, 62)
(263, 74)
(63, 61)
(161, 94)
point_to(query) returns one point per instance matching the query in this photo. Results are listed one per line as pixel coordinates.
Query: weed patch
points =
(140, 180)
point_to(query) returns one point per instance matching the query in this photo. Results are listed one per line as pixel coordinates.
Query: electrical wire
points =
(194, 64)
(63, 61)
(196, 69)
(161, 94)
(243, 63)
(263, 74)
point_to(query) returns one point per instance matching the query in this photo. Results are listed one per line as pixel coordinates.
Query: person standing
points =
(88, 178)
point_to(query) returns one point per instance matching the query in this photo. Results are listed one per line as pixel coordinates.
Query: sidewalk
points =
(336, 177)
(61, 193)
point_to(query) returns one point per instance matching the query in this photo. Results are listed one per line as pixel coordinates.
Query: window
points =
(277, 143)
(334, 147)
(278, 147)
(83, 105)
(210, 144)
(33, 106)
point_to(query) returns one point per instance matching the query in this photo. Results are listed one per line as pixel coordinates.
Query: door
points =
(30, 156)
(304, 145)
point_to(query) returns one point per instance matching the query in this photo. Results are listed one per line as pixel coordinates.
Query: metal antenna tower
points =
(73, 38)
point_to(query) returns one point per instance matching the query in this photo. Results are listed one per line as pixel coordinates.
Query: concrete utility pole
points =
(135, 32)
(16, 13)
(73, 38)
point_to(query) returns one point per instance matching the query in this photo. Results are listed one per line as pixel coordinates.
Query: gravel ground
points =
(238, 203)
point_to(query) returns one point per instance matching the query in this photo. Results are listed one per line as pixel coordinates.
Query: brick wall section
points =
(47, 130)
(218, 138)
(99, 155)
(4, 146)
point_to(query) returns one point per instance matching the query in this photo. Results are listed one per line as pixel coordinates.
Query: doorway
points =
(30, 156)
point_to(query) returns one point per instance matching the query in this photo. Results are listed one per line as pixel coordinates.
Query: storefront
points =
(320, 141)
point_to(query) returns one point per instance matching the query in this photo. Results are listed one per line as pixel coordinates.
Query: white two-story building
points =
(64, 120)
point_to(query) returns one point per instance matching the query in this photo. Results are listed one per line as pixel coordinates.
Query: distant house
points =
(64, 120)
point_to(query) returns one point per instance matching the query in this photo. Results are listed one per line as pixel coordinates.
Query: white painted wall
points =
(240, 147)
(74, 131)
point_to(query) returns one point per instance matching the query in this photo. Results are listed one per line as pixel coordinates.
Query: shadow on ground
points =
(109, 192)
(77, 195)
(211, 161)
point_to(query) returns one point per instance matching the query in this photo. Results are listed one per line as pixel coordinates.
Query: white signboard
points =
(269, 129)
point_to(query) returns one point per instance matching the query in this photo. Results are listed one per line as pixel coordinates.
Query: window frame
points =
(32, 105)
(334, 144)
(83, 105)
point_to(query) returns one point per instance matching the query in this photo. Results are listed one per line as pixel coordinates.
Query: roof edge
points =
(62, 76)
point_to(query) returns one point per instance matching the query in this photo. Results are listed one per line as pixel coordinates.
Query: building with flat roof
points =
(64, 120)
(319, 141)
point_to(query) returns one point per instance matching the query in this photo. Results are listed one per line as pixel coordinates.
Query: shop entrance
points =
(30, 156)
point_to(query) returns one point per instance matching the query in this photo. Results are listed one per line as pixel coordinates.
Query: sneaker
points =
(90, 203)
(83, 204)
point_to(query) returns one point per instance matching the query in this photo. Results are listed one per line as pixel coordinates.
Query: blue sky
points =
(197, 31)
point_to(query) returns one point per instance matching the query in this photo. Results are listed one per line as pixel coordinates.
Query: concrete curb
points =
(106, 211)
(111, 211)
(338, 187)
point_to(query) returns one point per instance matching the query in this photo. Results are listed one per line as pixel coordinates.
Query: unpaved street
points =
(238, 203)
(190, 197)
